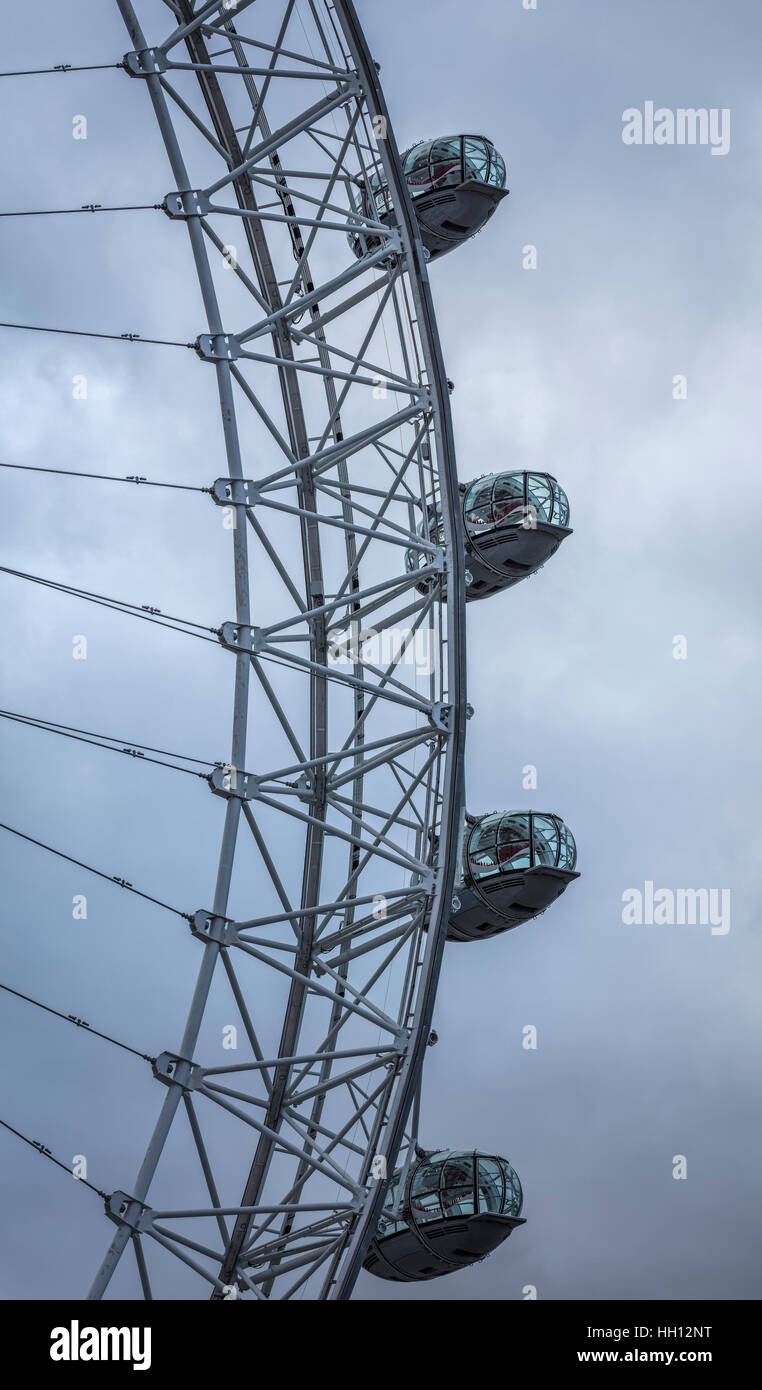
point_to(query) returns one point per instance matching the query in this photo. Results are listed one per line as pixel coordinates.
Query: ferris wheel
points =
(346, 859)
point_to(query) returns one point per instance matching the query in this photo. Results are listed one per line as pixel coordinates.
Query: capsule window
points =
(508, 498)
(568, 852)
(504, 498)
(478, 505)
(452, 160)
(519, 840)
(426, 1179)
(540, 495)
(560, 505)
(426, 1207)
(445, 163)
(482, 847)
(476, 160)
(416, 171)
(514, 843)
(458, 1201)
(490, 1185)
(459, 1172)
(452, 1187)
(513, 1195)
(545, 839)
(481, 161)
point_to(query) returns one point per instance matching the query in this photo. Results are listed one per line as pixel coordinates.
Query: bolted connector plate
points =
(235, 492)
(232, 781)
(192, 203)
(218, 347)
(125, 1210)
(147, 62)
(437, 560)
(176, 1071)
(206, 927)
(440, 715)
(425, 881)
(242, 639)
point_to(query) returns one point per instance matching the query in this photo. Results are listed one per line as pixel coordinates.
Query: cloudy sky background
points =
(648, 266)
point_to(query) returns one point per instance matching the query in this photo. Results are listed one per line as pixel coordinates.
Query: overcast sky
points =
(647, 269)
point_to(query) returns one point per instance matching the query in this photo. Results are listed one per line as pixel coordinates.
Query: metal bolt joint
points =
(173, 1070)
(440, 716)
(146, 63)
(242, 638)
(235, 492)
(232, 781)
(192, 203)
(206, 927)
(125, 1210)
(218, 347)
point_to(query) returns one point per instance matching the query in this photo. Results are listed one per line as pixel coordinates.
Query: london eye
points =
(281, 1164)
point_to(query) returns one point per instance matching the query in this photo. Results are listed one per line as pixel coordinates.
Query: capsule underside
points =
(450, 1245)
(505, 902)
(508, 555)
(449, 218)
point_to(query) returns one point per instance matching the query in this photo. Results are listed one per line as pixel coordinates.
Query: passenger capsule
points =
(451, 1210)
(456, 182)
(512, 523)
(515, 864)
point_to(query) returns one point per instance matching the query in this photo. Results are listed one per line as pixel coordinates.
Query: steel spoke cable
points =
(103, 477)
(77, 1022)
(134, 610)
(87, 333)
(99, 873)
(85, 207)
(65, 67)
(45, 1151)
(132, 749)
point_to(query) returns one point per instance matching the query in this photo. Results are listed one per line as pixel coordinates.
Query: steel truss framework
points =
(345, 777)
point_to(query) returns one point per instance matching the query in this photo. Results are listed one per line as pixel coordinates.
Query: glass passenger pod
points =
(513, 523)
(456, 182)
(515, 864)
(453, 1209)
